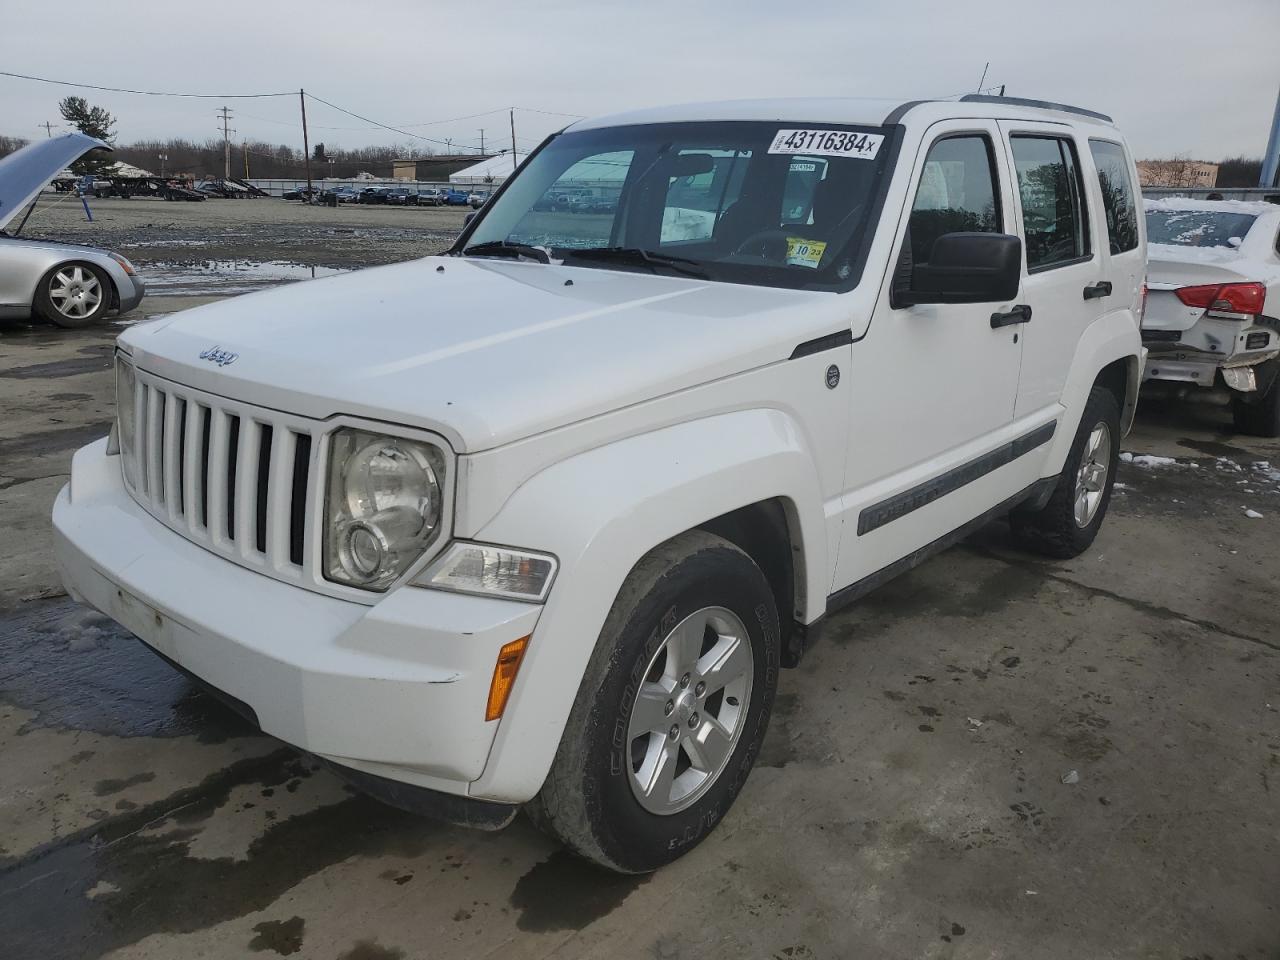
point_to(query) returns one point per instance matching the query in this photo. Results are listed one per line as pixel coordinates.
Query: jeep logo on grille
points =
(216, 354)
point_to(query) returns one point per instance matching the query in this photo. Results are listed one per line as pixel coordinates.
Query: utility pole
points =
(226, 143)
(48, 128)
(244, 148)
(482, 139)
(1271, 159)
(514, 163)
(306, 144)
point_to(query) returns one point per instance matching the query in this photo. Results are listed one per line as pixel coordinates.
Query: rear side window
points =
(1117, 195)
(957, 193)
(1054, 217)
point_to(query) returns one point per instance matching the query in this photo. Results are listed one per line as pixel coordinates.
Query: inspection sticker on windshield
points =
(827, 143)
(804, 253)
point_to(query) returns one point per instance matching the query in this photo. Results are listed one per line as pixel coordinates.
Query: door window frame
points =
(1135, 195)
(1081, 192)
(1002, 223)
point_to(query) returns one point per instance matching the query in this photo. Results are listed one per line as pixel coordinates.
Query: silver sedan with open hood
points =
(66, 284)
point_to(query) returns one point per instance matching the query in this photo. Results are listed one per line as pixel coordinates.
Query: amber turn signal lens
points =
(504, 676)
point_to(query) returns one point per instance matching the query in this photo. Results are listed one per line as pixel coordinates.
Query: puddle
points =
(225, 277)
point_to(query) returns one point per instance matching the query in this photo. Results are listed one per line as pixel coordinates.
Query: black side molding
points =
(923, 494)
(1035, 495)
(841, 338)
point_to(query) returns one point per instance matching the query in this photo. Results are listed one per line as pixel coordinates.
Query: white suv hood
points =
(482, 351)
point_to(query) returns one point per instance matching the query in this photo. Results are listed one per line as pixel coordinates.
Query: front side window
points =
(957, 193)
(1054, 217)
(764, 203)
(1117, 195)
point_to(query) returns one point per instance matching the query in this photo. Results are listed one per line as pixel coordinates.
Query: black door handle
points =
(1102, 289)
(1019, 314)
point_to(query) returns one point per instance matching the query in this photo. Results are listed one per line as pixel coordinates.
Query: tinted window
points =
(1053, 219)
(1197, 228)
(957, 193)
(1117, 195)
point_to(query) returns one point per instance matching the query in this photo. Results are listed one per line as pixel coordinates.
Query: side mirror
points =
(966, 268)
(466, 221)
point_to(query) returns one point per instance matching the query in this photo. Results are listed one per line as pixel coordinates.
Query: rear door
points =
(1064, 281)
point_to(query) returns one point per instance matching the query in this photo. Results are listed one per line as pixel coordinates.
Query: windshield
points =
(1197, 228)
(772, 204)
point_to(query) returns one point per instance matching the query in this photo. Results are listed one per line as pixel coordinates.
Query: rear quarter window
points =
(1118, 203)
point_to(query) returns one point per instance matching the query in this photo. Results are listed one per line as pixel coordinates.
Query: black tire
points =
(1053, 529)
(588, 802)
(1258, 416)
(44, 302)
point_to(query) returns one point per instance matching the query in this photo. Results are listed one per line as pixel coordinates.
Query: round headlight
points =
(384, 506)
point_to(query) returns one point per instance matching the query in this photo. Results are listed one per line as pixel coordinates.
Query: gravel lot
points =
(910, 800)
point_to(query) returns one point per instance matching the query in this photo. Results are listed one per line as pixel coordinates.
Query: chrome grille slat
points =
(230, 500)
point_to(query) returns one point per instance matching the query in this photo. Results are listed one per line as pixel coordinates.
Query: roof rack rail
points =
(1042, 104)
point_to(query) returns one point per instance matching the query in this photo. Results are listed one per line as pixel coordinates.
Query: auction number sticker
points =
(827, 143)
(805, 253)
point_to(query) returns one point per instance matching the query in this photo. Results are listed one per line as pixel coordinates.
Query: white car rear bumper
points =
(397, 690)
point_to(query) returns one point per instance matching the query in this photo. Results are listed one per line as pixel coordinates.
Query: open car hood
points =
(24, 173)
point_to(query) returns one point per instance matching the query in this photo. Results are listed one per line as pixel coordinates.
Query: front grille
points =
(231, 477)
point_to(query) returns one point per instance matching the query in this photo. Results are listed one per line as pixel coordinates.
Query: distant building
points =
(433, 168)
(1177, 173)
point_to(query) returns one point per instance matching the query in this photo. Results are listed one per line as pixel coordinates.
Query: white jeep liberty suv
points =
(536, 522)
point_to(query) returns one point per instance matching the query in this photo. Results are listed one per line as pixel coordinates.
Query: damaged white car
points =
(1213, 302)
(70, 285)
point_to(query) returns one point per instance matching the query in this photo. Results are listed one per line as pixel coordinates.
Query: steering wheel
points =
(762, 237)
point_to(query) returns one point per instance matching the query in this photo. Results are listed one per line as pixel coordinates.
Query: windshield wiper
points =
(502, 248)
(635, 255)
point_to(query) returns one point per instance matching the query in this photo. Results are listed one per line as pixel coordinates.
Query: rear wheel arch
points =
(1122, 378)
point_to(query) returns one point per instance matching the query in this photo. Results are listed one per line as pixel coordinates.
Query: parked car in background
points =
(70, 285)
(429, 198)
(457, 198)
(544, 533)
(347, 194)
(298, 193)
(477, 200)
(90, 185)
(398, 196)
(1213, 302)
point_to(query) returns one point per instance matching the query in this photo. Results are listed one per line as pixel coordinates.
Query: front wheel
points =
(73, 295)
(1068, 523)
(671, 711)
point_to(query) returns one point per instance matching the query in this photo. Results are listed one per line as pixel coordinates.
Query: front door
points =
(933, 385)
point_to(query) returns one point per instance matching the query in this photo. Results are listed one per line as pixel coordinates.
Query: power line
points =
(384, 126)
(146, 93)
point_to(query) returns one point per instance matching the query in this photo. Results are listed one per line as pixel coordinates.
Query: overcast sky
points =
(1182, 77)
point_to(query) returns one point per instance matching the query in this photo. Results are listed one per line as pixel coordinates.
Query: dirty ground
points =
(993, 756)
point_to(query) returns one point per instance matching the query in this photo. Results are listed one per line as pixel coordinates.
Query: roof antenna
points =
(984, 76)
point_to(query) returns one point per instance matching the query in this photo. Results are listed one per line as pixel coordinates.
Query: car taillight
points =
(1231, 297)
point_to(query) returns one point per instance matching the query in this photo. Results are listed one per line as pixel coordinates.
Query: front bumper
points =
(396, 690)
(131, 290)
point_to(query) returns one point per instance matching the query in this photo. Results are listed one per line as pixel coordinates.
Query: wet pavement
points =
(909, 801)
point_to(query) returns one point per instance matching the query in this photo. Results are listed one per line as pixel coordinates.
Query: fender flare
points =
(602, 510)
(1113, 336)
